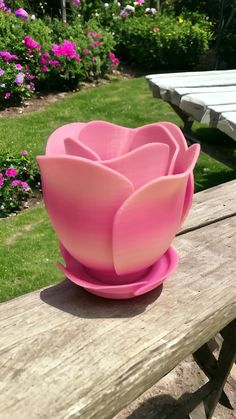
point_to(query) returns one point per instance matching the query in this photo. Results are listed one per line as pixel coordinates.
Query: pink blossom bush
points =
(16, 175)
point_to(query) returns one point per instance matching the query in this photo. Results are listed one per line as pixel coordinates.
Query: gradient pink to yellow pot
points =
(116, 198)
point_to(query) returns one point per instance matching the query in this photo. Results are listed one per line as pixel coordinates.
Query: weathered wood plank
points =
(196, 104)
(211, 205)
(66, 354)
(212, 113)
(177, 94)
(165, 87)
(191, 74)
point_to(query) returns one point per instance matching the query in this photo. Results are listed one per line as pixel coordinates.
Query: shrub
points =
(162, 42)
(49, 55)
(18, 175)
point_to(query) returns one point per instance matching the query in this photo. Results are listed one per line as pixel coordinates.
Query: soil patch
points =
(42, 100)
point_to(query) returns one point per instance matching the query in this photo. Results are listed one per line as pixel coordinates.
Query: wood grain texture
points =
(212, 204)
(67, 354)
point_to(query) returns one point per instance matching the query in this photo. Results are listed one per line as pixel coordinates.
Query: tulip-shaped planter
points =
(116, 198)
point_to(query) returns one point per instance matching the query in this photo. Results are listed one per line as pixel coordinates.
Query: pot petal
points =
(82, 198)
(187, 162)
(55, 144)
(143, 164)
(106, 139)
(76, 148)
(147, 222)
(156, 133)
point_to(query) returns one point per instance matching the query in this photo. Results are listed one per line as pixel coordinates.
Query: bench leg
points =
(226, 360)
(217, 372)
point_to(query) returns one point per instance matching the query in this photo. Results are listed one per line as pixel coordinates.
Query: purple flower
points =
(75, 3)
(24, 152)
(7, 95)
(18, 66)
(25, 186)
(22, 14)
(19, 78)
(1, 72)
(7, 56)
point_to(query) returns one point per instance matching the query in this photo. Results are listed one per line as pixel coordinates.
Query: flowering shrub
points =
(15, 83)
(34, 55)
(17, 176)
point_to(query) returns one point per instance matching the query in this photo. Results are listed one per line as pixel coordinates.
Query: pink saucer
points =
(154, 278)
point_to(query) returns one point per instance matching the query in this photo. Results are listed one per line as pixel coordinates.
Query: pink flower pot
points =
(116, 197)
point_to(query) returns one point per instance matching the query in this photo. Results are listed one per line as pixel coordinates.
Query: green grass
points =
(28, 245)
(28, 253)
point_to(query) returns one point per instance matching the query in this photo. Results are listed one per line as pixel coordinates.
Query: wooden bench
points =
(67, 354)
(208, 97)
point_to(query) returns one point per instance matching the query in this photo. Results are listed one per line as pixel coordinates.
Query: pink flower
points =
(75, 3)
(94, 59)
(156, 29)
(18, 66)
(95, 34)
(67, 49)
(24, 185)
(96, 44)
(113, 59)
(7, 95)
(1, 72)
(15, 182)
(22, 14)
(1, 179)
(53, 63)
(31, 43)
(11, 172)
(24, 152)
(7, 56)
(140, 1)
(43, 57)
(85, 51)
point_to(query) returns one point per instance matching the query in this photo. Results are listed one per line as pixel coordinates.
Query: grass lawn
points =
(28, 245)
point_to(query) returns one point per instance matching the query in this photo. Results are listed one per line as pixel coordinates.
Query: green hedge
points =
(162, 43)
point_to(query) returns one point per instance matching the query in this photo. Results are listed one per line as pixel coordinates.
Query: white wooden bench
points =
(208, 97)
(65, 354)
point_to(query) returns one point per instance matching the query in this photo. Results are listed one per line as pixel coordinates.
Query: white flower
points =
(118, 4)
(129, 7)
(96, 14)
(2, 207)
(147, 9)
(153, 11)
(33, 17)
(106, 5)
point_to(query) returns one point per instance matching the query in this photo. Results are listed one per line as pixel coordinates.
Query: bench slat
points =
(67, 354)
(196, 104)
(211, 205)
(178, 93)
